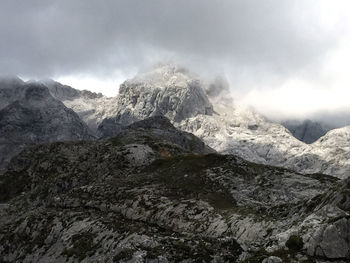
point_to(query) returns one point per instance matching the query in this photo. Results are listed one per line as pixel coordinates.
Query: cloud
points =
(45, 37)
(258, 45)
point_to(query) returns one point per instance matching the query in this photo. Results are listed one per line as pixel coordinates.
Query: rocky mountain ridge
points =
(166, 91)
(208, 112)
(225, 127)
(32, 116)
(91, 107)
(123, 199)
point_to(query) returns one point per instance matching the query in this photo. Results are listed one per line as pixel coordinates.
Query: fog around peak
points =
(285, 58)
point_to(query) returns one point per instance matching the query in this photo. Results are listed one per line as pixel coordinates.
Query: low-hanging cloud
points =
(254, 43)
(45, 37)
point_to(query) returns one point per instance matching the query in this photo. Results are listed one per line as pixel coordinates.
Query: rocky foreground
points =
(155, 194)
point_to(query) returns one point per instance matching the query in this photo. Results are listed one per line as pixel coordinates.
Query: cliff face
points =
(143, 196)
(11, 89)
(205, 110)
(177, 94)
(33, 116)
(166, 91)
(91, 107)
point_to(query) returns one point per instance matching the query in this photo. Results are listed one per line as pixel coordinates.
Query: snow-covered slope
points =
(245, 133)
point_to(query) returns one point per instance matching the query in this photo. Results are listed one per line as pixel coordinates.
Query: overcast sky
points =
(286, 58)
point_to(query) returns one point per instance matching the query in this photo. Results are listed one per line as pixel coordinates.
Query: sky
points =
(287, 59)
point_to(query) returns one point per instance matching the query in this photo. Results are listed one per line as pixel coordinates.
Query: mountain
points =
(122, 199)
(30, 115)
(11, 89)
(168, 91)
(91, 107)
(205, 110)
(307, 131)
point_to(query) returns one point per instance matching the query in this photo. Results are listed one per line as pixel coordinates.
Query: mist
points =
(287, 59)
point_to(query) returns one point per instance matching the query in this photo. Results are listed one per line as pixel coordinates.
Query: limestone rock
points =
(36, 117)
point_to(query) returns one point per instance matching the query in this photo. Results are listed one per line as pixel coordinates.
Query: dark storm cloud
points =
(47, 38)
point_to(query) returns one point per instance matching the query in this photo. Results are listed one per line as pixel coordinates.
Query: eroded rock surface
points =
(168, 91)
(104, 201)
(33, 116)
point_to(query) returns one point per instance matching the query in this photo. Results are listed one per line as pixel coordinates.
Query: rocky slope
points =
(11, 89)
(32, 116)
(139, 197)
(307, 131)
(167, 91)
(91, 107)
(227, 128)
(207, 111)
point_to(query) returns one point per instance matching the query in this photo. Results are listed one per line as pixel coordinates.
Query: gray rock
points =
(160, 129)
(36, 117)
(123, 199)
(272, 259)
(176, 96)
(307, 131)
(11, 89)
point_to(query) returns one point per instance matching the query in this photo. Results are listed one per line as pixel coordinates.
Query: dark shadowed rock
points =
(307, 131)
(160, 129)
(64, 92)
(36, 117)
(11, 89)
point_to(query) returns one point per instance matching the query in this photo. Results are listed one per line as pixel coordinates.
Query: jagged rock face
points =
(230, 129)
(173, 92)
(91, 107)
(248, 135)
(64, 92)
(36, 117)
(307, 131)
(159, 128)
(89, 201)
(11, 89)
(166, 91)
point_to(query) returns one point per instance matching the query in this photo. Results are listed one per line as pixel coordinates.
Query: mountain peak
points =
(164, 75)
(166, 91)
(7, 81)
